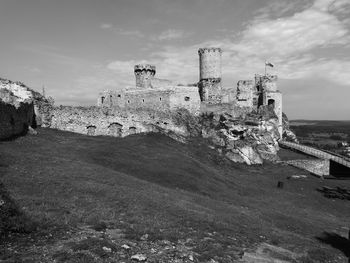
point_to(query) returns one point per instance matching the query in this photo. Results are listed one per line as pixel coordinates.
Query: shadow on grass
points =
(12, 218)
(336, 241)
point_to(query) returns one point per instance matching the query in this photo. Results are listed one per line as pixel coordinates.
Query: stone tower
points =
(144, 73)
(210, 75)
(270, 96)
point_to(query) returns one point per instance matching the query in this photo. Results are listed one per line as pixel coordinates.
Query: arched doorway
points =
(91, 130)
(115, 129)
(271, 103)
(132, 130)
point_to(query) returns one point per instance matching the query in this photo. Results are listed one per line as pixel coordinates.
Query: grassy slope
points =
(152, 184)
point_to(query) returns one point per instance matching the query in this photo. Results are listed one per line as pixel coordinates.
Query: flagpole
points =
(265, 68)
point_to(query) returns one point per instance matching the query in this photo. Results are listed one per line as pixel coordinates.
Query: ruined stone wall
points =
(228, 95)
(268, 95)
(185, 98)
(210, 91)
(15, 118)
(113, 122)
(269, 82)
(245, 93)
(317, 167)
(160, 99)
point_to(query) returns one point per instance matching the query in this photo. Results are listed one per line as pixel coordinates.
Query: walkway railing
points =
(316, 152)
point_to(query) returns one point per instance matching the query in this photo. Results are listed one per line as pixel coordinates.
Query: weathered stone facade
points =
(16, 114)
(210, 88)
(152, 94)
(253, 110)
(270, 95)
(119, 123)
(209, 95)
(245, 90)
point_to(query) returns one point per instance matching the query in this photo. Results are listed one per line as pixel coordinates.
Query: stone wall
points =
(161, 99)
(245, 93)
(317, 167)
(114, 122)
(15, 118)
(210, 91)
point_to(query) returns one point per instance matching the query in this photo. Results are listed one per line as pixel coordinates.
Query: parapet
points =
(145, 67)
(209, 63)
(209, 49)
(245, 82)
(266, 82)
(144, 73)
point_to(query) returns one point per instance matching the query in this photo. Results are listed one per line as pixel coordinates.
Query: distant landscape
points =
(323, 134)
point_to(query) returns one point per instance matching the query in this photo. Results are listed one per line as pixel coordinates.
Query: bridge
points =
(339, 166)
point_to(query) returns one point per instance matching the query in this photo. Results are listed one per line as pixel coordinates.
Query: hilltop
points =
(86, 197)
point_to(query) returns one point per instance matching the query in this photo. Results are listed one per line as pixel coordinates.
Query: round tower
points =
(144, 73)
(210, 75)
(209, 63)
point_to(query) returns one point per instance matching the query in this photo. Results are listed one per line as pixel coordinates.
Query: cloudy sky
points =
(77, 48)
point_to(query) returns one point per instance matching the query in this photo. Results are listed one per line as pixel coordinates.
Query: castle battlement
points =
(144, 73)
(209, 49)
(164, 95)
(145, 67)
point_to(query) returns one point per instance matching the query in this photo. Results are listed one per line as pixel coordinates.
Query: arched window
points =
(187, 98)
(271, 103)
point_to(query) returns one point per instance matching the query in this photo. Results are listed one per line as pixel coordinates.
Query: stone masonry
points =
(150, 93)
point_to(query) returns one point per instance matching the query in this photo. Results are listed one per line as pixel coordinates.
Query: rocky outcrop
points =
(248, 140)
(288, 134)
(21, 93)
(16, 115)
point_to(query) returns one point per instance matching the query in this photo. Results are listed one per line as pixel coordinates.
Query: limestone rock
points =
(288, 134)
(31, 131)
(139, 257)
(249, 155)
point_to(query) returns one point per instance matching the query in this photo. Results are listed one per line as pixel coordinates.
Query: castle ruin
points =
(208, 95)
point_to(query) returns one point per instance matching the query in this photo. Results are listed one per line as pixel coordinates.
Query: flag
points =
(269, 64)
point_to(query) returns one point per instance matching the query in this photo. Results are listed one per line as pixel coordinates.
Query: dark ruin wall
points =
(15, 119)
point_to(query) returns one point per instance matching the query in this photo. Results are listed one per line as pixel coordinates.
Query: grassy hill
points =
(81, 191)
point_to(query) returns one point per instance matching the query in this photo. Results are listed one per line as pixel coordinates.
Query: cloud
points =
(121, 31)
(131, 33)
(289, 42)
(106, 26)
(311, 28)
(172, 34)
